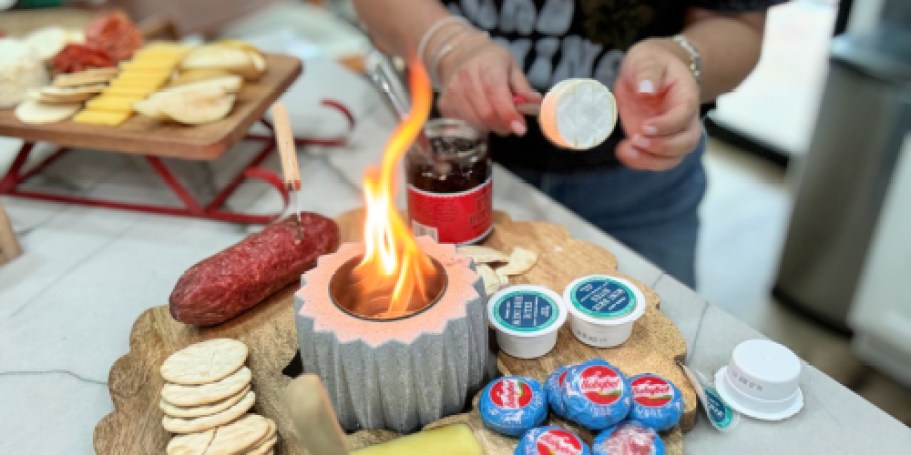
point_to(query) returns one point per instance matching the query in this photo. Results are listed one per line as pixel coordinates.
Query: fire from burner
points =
(394, 269)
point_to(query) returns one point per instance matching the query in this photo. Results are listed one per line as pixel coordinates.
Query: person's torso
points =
(558, 39)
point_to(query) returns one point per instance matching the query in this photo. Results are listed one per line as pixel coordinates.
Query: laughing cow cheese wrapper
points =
(657, 402)
(551, 441)
(596, 394)
(627, 438)
(512, 405)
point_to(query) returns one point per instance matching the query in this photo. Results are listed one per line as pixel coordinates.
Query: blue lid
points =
(596, 394)
(512, 405)
(552, 441)
(628, 437)
(657, 402)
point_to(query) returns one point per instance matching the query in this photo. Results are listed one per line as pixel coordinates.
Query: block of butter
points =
(457, 439)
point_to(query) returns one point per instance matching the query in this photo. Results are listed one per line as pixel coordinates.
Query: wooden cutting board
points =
(269, 330)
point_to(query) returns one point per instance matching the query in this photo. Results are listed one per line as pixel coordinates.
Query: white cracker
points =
(482, 254)
(197, 424)
(204, 362)
(190, 444)
(265, 447)
(520, 261)
(240, 436)
(198, 395)
(202, 410)
(489, 277)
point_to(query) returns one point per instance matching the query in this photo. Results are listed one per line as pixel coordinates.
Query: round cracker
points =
(198, 395)
(35, 112)
(197, 424)
(269, 434)
(203, 410)
(204, 362)
(264, 448)
(239, 436)
(190, 444)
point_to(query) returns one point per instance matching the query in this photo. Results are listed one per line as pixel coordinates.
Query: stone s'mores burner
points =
(395, 370)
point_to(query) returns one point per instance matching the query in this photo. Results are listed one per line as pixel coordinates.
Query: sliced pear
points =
(149, 108)
(195, 107)
(230, 83)
(188, 76)
(36, 112)
(216, 56)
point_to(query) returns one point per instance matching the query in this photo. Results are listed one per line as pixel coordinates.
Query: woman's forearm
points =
(728, 44)
(398, 25)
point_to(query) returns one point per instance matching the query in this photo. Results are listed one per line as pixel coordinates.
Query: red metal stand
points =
(214, 210)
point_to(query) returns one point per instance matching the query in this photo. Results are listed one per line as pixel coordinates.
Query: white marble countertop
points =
(67, 305)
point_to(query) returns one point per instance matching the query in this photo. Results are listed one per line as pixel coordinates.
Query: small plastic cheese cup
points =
(578, 114)
(526, 318)
(603, 309)
(761, 380)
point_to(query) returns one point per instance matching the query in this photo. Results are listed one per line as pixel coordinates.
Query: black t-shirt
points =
(558, 39)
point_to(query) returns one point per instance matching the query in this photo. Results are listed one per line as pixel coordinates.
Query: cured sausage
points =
(77, 57)
(115, 34)
(239, 277)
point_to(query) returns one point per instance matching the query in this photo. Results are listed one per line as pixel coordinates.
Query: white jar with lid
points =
(526, 318)
(603, 309)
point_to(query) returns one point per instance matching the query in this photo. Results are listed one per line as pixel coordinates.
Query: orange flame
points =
(392, 259)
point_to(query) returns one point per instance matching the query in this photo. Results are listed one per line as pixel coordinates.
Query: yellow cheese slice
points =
(149, 65)
(128, 91)
(101, 117)
(112, 103)
(456, 439)
(136, 83)
(152, 78)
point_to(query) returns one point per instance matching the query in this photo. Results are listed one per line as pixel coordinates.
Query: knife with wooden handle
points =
(314, 419)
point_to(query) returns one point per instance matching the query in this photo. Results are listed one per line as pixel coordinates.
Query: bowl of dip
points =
(603, 309)
(526, 318)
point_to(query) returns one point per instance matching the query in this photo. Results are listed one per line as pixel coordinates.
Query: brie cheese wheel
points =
(20, 70)
(578, 114)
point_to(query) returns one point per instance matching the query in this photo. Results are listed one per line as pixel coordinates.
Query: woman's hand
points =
(479, 79)
(658, 102)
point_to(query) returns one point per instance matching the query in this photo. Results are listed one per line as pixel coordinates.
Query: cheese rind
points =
(578, 114)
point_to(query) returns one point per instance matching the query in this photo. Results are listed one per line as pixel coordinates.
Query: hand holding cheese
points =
(658, 101)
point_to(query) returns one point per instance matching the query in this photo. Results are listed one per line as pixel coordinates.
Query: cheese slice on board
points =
(578, 114)
(113, 103)
(101, 117)
(456, 439)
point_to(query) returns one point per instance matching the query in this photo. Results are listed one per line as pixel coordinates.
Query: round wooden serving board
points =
(269, 331)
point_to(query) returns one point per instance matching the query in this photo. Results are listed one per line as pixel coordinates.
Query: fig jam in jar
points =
(450, 192)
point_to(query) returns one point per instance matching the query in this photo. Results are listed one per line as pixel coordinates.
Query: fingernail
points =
(646, 86)
(518, 128)
(650, 130)
(640, 141)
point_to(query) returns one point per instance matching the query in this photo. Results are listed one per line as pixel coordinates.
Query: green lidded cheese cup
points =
(603, 309)
(526, 318)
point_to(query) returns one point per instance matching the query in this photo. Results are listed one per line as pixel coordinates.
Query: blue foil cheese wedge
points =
(552, 441)
(512, 405)
(596, 394)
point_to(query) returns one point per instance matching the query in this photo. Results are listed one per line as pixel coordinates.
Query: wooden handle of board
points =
(314, 419)
(287, 149)
(9, 246)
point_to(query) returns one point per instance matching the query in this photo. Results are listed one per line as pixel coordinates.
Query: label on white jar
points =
(603, 298)
(526, 311)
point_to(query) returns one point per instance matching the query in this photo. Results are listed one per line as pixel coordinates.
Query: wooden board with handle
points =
(143, 135)
(269, 330)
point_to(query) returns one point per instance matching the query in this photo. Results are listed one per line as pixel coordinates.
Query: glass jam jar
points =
(450, 188)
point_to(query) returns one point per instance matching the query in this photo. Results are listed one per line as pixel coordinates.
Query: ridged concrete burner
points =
(398, 374)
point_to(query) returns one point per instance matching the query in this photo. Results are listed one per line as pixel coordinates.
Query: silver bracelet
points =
(695, 56)
(422, 45)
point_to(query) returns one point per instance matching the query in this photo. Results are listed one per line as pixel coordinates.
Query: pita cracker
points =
(482, 254)
(520, 262)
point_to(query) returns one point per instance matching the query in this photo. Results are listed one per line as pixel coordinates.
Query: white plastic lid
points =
(526, 310)
(604, 300)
